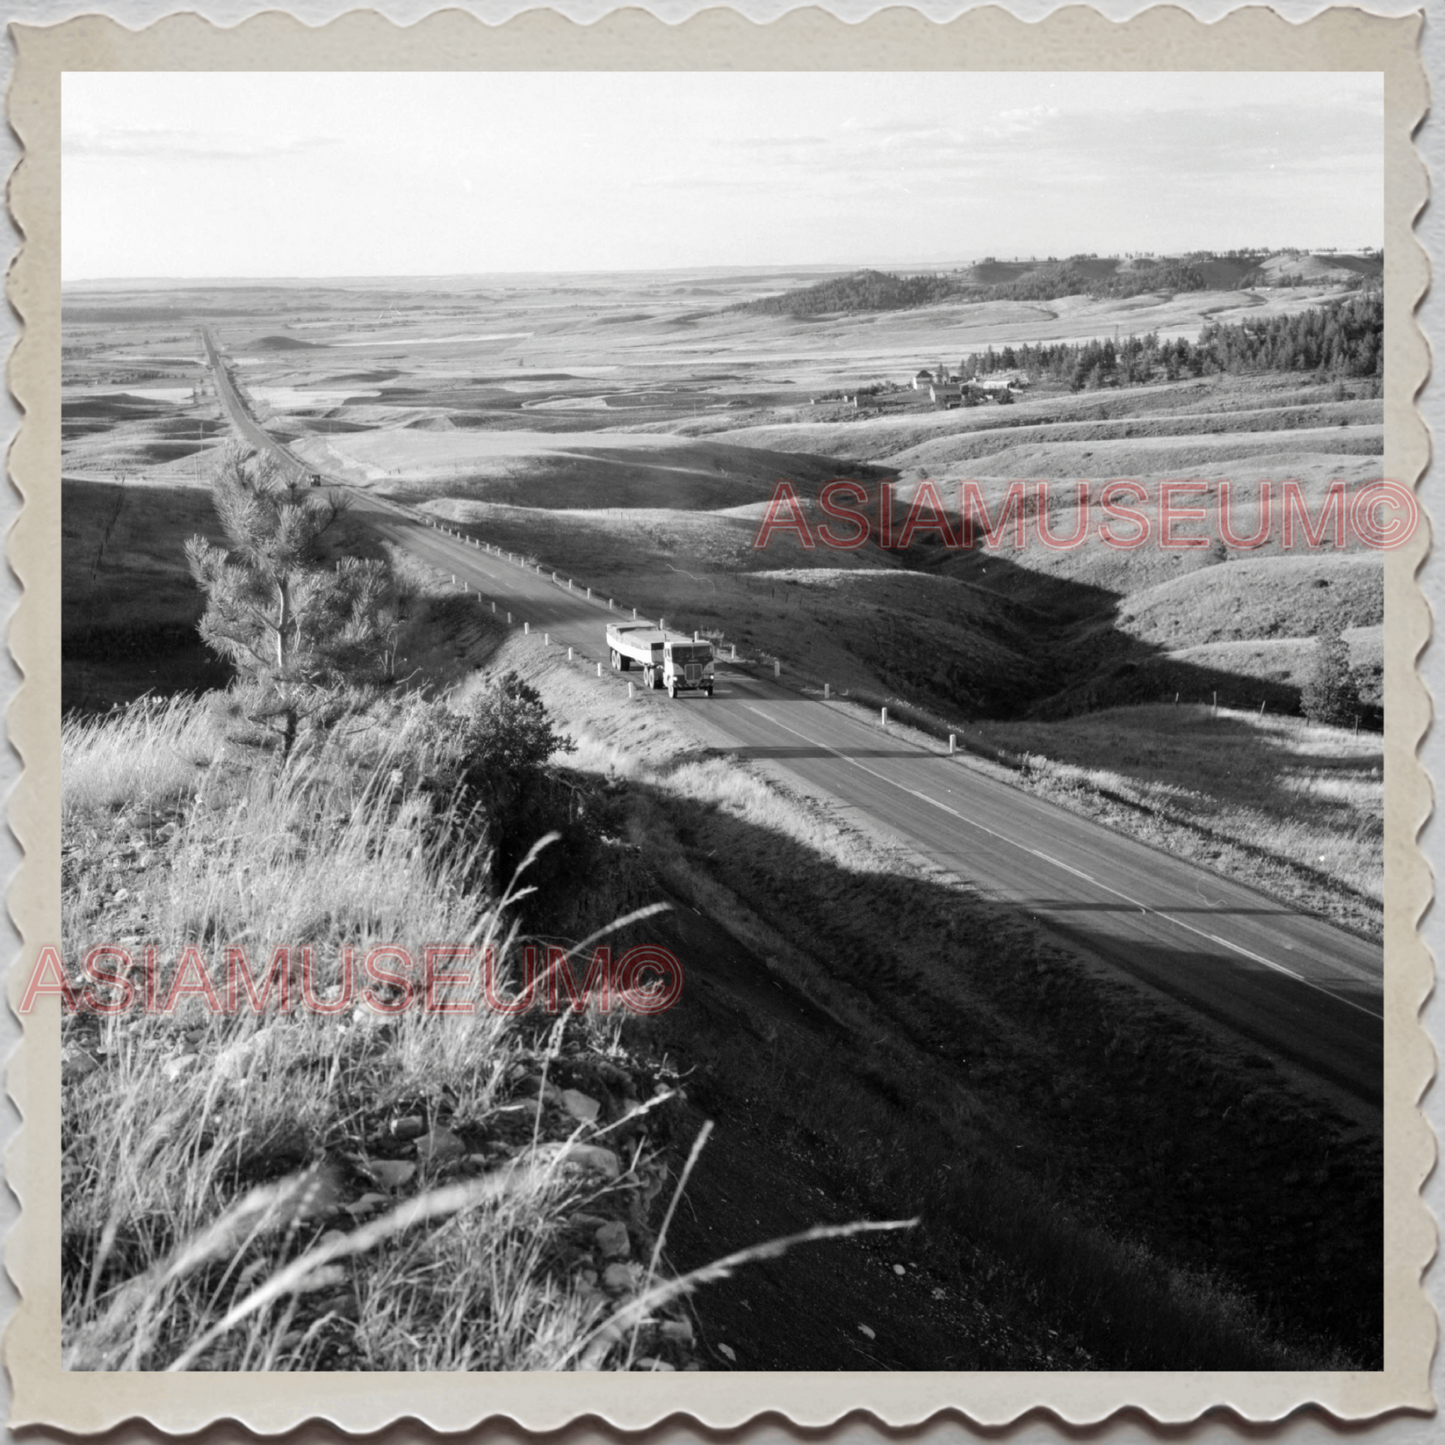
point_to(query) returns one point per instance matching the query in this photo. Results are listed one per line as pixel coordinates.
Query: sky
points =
(411, 174)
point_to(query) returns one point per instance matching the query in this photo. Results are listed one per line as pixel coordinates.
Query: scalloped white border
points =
(799, 40)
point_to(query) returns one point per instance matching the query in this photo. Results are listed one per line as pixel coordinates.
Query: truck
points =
(667, 659)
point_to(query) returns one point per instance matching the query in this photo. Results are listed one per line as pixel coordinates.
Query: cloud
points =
(163, 143)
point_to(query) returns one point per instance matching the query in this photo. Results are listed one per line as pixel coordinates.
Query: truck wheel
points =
(615, 660)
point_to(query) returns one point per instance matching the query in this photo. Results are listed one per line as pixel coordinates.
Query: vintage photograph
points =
(722, 721)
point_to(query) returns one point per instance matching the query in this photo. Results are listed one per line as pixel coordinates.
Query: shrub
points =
(1329, 694)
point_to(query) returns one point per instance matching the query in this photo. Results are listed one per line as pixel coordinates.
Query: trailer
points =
(667, 659)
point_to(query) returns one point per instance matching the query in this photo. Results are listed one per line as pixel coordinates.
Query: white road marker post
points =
(634, 614)
(526, 627)
(589, 594)
(569, 656)
(494, 606)
(631, 691)
(777, 668)
(599, 669)
(883, 721)
(509, 619)
(735, 652)
(952, 744)
(827, 691)
(546, 639)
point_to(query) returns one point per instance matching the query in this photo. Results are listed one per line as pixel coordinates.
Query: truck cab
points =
(687, 667)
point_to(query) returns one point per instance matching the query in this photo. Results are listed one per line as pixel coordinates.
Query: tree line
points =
(1335, 342)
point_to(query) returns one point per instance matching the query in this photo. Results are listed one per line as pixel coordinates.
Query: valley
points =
(853, 941)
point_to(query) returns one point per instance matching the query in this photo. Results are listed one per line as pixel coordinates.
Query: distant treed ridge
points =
(1332, 342)
(861, 291)
(1083, 275)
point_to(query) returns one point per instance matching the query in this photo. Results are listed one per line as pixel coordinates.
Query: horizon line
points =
(844, 266)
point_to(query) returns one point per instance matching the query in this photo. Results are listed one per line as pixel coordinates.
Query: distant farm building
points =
(922, 378)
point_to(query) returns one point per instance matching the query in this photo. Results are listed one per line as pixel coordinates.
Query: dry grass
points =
(150, 759)
(1277, 802)
(207, 1153)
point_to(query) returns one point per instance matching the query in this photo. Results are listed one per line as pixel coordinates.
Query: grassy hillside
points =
(286, 1190)
(1271, 800)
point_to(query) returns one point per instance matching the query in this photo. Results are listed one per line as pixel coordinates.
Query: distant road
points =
(240, 415)
(1300, 988)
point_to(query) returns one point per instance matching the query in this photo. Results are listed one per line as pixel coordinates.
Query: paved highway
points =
(1300, 988)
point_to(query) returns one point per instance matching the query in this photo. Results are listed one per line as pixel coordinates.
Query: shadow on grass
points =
(1082, 1157)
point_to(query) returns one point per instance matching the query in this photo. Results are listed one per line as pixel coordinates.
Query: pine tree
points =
(1329, 694)
(304, 636)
